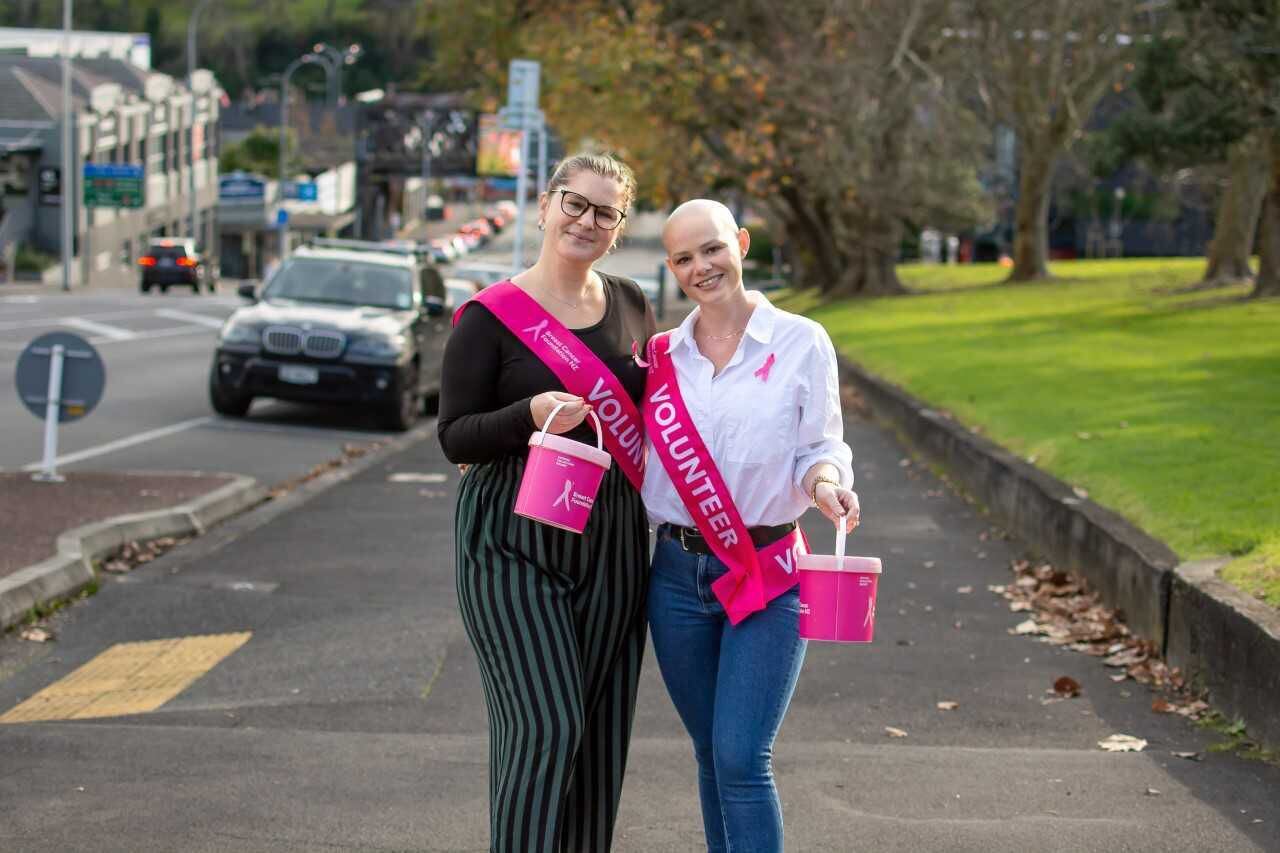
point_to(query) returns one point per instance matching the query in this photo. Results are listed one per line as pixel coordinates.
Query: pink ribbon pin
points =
(635, 354)
(763, 371)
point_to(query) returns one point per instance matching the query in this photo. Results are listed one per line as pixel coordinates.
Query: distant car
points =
(359, 324)
(443, 251)
(482, 274)
(173, 261)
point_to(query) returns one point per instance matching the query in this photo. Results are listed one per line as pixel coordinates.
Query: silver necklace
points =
(710, 337)
(573, 305)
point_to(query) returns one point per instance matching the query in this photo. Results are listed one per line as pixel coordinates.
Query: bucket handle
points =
(841, 536)
(542, 433)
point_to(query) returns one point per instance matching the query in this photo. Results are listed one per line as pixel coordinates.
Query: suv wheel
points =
(224, 400)
(401, 415)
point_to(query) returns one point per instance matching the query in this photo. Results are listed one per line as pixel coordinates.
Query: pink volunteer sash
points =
(755, 577)
(579, 369)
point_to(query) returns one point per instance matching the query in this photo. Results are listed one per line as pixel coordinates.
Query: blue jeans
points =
(731, 686)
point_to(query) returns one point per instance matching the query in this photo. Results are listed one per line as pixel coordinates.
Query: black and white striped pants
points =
(557, 620)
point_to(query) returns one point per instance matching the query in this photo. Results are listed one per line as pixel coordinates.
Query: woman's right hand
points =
(566, 419)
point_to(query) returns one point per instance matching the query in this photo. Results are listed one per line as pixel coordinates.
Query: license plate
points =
(299, 375)
(166, 262)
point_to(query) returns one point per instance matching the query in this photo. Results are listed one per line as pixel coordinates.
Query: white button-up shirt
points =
(765, 426)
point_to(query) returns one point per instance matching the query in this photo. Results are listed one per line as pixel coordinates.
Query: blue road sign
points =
(301, 190)
(282, 217)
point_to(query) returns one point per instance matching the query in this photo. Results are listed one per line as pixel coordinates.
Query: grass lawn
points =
(1164, 406)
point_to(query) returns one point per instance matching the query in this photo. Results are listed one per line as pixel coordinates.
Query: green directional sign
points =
(114, 185)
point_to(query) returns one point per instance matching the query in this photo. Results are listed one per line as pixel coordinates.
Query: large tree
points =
(1232, 52)
(1042, 66)
(1174, 122)
(839, 121)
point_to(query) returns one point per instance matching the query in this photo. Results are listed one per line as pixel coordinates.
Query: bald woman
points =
(759, 389)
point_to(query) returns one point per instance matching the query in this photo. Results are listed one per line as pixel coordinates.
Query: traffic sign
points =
(82, 381)
(522, 84)
(301, 190)
(114, 185)
(282, 217)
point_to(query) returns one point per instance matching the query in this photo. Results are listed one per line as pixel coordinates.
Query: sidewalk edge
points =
(71, 568)
(1229, 643)
(1224, 640)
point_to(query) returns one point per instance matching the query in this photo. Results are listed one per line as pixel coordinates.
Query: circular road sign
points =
(83, 376)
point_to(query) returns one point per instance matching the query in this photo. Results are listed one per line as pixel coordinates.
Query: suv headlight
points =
(239, 335)
(377, 347)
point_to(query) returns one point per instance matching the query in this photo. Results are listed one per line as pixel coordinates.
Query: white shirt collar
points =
(759, 326)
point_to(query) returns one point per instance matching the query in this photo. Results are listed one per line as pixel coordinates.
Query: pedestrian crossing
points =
(108, 324)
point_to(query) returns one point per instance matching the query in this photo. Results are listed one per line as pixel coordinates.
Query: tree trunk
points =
(1031, 216)
(1237, 219)
(1268, 281)
(870, 260)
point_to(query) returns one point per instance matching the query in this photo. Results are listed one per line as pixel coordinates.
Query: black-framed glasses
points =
(575, 204)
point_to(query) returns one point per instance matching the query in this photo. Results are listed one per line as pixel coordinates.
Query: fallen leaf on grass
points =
(894, 732)
(1067, 686)
(948, 706)
(36, 634)
(1123, 743)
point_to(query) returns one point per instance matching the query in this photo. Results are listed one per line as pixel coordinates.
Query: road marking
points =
(294, 430)
(29, 322)
(20, 300)
(198, 319)
(121, 444)
(128, 678)
(114, 333)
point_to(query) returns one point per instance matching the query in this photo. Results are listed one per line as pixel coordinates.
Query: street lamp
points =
(192, 23)
(335, 59)
(305, 59)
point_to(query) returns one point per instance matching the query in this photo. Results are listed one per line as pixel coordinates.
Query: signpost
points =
(521, 113)
(114, 185)
(59, 378)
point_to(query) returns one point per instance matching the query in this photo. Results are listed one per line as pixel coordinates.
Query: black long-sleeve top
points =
(489, 376)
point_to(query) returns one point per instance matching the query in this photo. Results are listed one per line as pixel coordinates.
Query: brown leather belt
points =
(690, 538)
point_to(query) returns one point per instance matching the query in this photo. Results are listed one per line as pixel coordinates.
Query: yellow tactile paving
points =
(128, 678)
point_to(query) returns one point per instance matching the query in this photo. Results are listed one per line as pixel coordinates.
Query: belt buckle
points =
(682, 543)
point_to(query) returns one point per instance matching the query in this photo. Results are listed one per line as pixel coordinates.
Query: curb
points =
(71, 569)
(1229, 643)
(1224, 640)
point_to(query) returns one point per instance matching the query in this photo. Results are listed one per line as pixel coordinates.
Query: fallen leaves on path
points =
(1067, 687)
(36, 634)
(948, 706)
(132, 554)
(892, 731)
(1064, 612)
(1123, 743)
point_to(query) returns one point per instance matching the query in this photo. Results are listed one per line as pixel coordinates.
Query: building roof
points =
(31, 86)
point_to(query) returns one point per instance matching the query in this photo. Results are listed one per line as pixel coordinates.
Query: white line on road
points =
(29, 322)
(187, 316)
(142, 337)
(121, 444)
(20, 300)
(114, 333)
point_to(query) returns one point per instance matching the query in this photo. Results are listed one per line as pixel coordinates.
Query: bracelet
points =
(813, 492)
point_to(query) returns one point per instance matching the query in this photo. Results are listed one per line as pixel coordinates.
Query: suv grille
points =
(286, 340)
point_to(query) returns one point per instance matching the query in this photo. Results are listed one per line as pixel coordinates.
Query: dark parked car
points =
(354, 324)
(173, 260)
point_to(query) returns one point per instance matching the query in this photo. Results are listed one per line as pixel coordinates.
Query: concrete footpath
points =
(352, 718)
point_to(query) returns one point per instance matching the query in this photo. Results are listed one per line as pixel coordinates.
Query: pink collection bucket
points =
(838, 595)
(561, 478)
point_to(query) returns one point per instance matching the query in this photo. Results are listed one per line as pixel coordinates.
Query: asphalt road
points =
(353, 717)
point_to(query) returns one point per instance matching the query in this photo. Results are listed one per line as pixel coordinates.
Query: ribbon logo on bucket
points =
(561, 477)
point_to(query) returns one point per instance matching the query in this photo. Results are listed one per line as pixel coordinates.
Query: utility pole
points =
(192, 23)
(68, 156)
(284, 140)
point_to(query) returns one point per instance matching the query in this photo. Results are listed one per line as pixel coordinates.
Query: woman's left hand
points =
(837, 504)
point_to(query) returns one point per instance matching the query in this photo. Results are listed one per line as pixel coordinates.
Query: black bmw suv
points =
(340, 321)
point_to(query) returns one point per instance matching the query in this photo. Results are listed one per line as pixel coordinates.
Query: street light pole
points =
(338, 58)
(284, 139)
(192, 23)
(68, 156)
